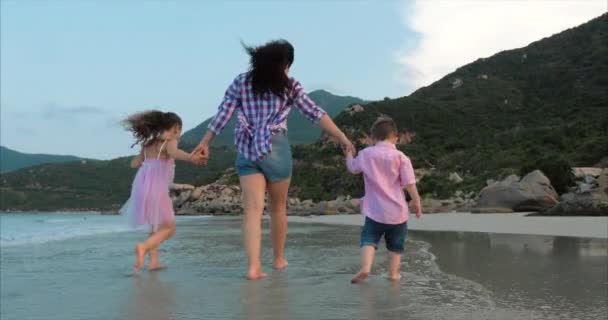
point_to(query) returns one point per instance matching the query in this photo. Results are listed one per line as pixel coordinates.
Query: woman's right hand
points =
(201, 150)
(203, 147)
(347, 147)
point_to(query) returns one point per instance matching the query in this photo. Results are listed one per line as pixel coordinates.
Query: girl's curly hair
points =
(149, 125)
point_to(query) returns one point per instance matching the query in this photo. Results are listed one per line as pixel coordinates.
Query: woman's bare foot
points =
(156, 266)
(140, 254)
(256, 274)
(359, 277)
(394, 277)
(280, 264)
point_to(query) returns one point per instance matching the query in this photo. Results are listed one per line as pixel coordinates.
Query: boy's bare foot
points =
(140, 254)
(394, 277)
(359, 277)
(256, 274)
(280, 264)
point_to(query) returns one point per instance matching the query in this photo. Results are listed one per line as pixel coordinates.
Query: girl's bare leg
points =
(254, 187)
(153, 241)
(153, 259)
(277, 196)
(367, 259)
(393, 262)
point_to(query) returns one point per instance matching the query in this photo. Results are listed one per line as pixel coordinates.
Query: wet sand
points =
(446, 275)
(511, 223)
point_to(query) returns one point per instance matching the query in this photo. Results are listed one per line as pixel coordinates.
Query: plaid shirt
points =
(259, 116)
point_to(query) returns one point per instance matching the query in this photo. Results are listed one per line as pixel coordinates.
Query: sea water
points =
(77, 266)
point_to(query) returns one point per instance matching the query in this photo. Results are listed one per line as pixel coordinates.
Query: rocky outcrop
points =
(532, 193)
(355, 108)
(590, 197)
(583, 172)
(221, 199)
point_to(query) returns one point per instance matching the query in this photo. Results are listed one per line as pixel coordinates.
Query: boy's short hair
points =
(383, 128)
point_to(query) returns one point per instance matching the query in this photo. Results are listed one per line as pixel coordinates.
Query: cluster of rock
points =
(220, 199)
(459, 202)
(589, 197)
(535, 193)
(532, 193)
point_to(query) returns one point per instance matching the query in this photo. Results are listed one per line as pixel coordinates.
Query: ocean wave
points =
(14, 239)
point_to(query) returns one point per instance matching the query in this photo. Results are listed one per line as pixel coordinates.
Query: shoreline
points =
(520, 223)
(510, 223)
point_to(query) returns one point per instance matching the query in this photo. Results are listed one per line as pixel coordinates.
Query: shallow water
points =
(53, 269)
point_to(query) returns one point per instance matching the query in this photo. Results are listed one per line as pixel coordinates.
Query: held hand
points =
(198, 159)
(202, 149)
(348, 148)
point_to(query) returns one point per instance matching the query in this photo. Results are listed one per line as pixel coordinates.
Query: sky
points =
(71, 70)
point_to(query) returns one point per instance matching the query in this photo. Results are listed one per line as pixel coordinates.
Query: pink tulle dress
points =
(150, 203)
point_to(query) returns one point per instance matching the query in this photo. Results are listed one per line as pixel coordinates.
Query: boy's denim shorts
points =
(394, 235)
(276, 166)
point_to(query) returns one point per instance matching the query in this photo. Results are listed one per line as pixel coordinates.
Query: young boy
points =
(386, 171)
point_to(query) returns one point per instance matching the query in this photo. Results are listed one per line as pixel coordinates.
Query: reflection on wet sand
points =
(266, 299)
(381, 300)
(150, 298)
(524, 269)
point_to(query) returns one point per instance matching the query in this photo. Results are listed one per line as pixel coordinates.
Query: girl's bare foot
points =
(140, 254)
(256, 274)
(359, 277)
(280, 264)
(394, 277)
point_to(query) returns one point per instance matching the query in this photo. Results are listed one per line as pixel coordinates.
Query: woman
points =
(263, 98)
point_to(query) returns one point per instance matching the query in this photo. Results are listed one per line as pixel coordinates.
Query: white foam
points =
(21, 229)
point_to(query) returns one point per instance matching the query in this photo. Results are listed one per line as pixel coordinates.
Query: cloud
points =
(454, 33)
(54, 111)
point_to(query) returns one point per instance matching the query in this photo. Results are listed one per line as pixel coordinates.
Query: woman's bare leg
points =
(254, 187)
(153, 241)
(277, 196)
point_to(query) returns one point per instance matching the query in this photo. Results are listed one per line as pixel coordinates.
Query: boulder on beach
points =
(532, 193)
(591, 200)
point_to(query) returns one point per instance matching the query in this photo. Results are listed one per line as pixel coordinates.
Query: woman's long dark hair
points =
(267, 66)
(149, 125)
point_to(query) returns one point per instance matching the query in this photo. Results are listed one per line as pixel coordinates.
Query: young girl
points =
(386, 172)
(158, 133)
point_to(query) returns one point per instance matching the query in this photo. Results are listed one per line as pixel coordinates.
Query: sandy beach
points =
(512, 223)
(446, 275)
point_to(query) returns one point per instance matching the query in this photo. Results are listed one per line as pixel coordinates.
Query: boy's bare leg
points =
(367, 259)
(394, 262)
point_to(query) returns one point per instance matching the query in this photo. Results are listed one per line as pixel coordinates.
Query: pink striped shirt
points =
(386, 171)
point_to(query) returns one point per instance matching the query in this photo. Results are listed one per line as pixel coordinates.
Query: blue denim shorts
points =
(394, 235)
(276, 166)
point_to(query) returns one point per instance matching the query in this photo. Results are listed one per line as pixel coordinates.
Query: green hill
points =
(544, 103)
(300, 129)
(11, 160)
(91, 184)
